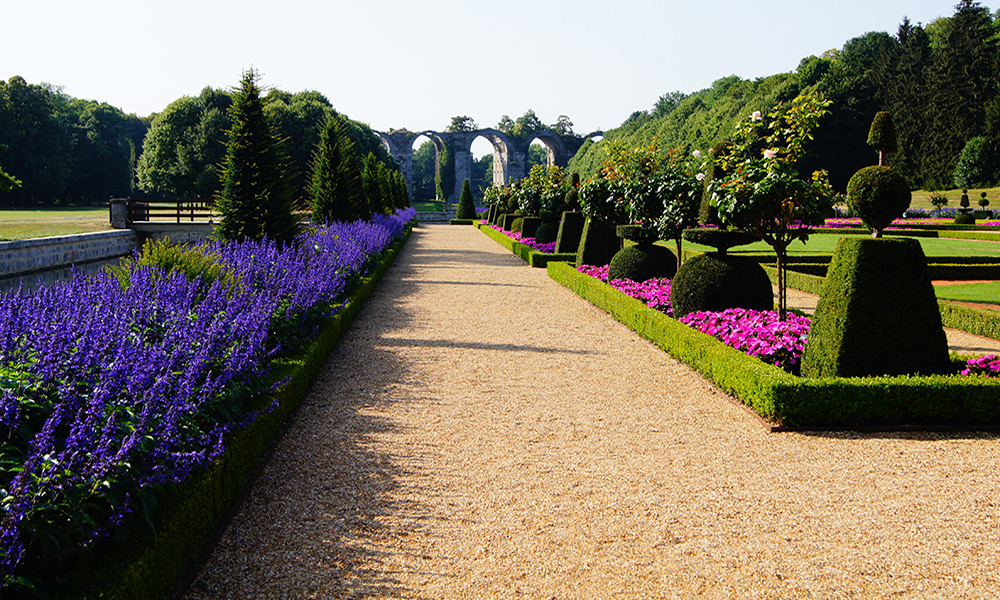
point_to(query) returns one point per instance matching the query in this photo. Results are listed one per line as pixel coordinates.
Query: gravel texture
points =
(485, 433)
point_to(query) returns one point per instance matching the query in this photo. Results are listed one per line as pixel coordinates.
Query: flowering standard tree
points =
(763, 193)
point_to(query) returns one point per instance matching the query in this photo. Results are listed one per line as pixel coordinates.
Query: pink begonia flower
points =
(700, 177)
(769, 153)
(756, 116)
(696, 153)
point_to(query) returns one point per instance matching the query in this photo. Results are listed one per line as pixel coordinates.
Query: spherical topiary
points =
(641, 262)
(878, 195)
(716, 282)
(546, 233)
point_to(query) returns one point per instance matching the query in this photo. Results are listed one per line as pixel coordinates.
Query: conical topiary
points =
(598, 244)
(466, 206)
(877, 313)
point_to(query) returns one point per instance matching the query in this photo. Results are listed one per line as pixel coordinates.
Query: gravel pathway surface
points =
(485, 433)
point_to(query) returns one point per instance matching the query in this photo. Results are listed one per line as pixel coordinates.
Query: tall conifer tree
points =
(336, 183)
(256, 199)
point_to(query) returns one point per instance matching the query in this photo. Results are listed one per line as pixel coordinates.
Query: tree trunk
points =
(782, 284)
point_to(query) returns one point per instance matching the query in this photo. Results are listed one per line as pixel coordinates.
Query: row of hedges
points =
(527, 253)
(149, 566)
(791, 402)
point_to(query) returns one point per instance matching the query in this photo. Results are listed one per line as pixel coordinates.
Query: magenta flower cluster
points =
(111, 390)
(988, 365)
(654, 292)
(757, 333)
(546, 248)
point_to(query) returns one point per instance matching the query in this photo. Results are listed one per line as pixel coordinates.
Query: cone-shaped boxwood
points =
(598, 244)
(466, 206)
(570, 230)
(877, 313)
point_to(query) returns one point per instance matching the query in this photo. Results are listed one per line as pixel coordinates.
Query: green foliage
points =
(938, 200)
(882, 135)
(720, 239)
(517, 225)
(570, 231)
(598, 244)
(978, 164)
(878, 195)
(255, 200)
(547, 233)
(466, 207)
(877, 314)
(640, 262)
(8, 182)
(336, 179)
(795, 402)
(715, 282)
(194, 263)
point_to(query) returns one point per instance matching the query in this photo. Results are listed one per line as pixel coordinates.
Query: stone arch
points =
(501, 153)
(555, 147)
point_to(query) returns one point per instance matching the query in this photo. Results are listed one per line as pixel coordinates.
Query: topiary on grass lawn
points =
(877, 313)
(878, 195)
(716, 282)
(641, 262)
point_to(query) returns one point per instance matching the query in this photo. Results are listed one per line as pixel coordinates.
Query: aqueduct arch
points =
(510, 154)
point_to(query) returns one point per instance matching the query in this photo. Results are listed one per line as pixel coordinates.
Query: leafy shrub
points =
(193, 262)
(978, 164)
(642, 262)
(715, 282)
(877, 313)
(547, 233)
(517, 225)
(882, 135)
(965, 218)
(878, 195)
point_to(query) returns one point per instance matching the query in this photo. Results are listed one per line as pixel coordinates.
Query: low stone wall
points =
(24, 257)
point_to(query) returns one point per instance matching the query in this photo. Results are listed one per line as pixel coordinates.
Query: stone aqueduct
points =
(510, 154)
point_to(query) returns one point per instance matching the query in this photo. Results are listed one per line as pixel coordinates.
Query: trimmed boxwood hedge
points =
(792, 402)
(530, 255)
(149, 567)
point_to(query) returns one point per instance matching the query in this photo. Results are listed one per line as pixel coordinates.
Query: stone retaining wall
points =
(23, 257)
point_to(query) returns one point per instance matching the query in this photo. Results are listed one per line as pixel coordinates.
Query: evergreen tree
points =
(255, 200)
(369, 186)
(961, 83)
(466, 207)
(336, 182)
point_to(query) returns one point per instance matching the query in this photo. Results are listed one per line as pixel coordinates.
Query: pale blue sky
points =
(415, 63)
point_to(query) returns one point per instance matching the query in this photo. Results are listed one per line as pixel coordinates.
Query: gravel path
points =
(484, 433)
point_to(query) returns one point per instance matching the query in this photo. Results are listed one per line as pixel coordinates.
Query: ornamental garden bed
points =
(786, 401)
(156, 526)
(534, 254)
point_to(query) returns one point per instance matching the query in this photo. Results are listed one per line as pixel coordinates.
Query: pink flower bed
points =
(758, 333)
(548, 248)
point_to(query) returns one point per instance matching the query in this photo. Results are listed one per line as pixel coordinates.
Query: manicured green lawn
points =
(987, 293)
(824, 244)
(17, 224)
(921, 198)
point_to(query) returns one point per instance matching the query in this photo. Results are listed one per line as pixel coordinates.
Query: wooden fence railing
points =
(178, 210)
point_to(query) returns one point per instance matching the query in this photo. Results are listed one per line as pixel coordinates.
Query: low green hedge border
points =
(527, 253)
(188, 519)
(789, 402)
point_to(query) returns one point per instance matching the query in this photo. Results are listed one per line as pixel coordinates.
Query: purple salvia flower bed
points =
(110, 390)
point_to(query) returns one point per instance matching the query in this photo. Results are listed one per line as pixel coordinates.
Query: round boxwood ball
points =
(878, 195)
(547, 233)
(715, 282)
(641, 262)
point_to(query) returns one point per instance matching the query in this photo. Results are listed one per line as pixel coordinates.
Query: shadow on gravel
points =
(480, 346)
(925, 434)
